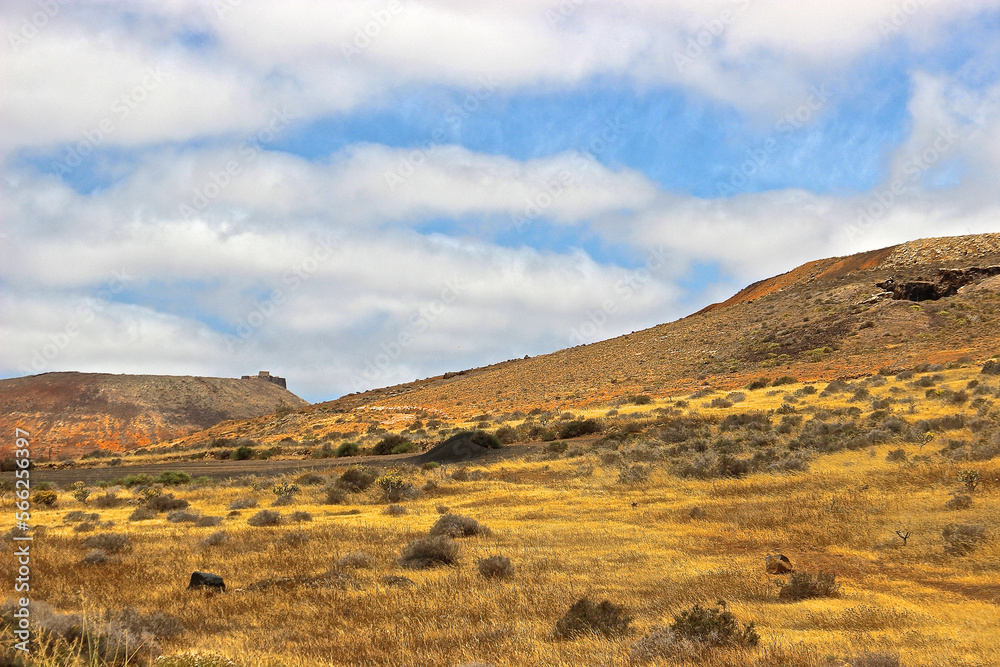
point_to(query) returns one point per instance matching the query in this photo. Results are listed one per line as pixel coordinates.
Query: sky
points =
(358, 194)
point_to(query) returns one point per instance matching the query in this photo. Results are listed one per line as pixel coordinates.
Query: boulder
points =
(207, 580)
(778, 564)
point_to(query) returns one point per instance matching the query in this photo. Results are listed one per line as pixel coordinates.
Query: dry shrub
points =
(959, 501)
(96, 557)
(300, 516)
(294, 538)
(456, 525)
(961, 539)
(106, 501)
(496, 567)
(356, 479)
(335, 495)
(432, 551)
(394, 510)
(142, 514)
(694, 633)
(265, 518)
(166, 502)
(183, 516)
(111, 543)
(634, 474)
(243, 504)
(356, 560)
(587, 617)
(194, 659)
(803, 585)
(215, 539)
(869, 659)
(84, 527)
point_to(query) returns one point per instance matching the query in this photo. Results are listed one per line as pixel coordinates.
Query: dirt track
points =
(231, 469)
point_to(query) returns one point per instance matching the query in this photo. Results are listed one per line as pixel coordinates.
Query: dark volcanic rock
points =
(207, 580)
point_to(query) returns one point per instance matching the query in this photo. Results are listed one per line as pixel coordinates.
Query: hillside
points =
(832, 318)
(72, 413)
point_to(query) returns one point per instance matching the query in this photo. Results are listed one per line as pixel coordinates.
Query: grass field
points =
(574, 523)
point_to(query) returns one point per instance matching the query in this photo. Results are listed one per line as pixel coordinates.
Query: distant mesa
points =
(267, 377)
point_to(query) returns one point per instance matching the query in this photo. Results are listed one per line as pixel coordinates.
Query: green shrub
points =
(587, 617)
(242, 453)
(346, 449)
(759, 383)
(171, 478)
(430, 465)
(557, 447)
(388, 443)
(783, 380)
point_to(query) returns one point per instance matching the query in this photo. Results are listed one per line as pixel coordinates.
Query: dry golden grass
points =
(570, 535)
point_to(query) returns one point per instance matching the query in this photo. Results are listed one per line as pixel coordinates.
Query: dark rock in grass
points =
(207, 580)
(778, 564)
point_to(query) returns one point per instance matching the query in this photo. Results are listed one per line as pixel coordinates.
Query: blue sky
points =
(278, 194)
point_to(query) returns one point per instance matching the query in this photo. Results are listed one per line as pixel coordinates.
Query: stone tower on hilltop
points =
(267, 377)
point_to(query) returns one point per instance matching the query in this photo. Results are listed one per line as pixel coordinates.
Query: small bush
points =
(346, 449)
(243, 453)
(959, 501)
(356, 560)
(335, 495)
(456, 525)
(166, 503)
(896, 456)
(962, 539)
(182, 516)
(45, 498)
(96, 557)
(759, 383)
(580, 427)
(430, 465)
(265, 518)
(640, 399)
(714, 626)
(495, 567)
(357, 479)
(557, 447)
(719, 403)
(111, 543)
(388, 443)
(394, 510)
(803, 585)
(207, 521)
(142, 514)
(300, 516)
(215, 539)
(309, 479)
(243, 504)
(587, 617)
(431, 551)
(634, 474)
(171, 478)
(783, 380)
(441, 509)
(294, 538)
(107, 501)
(991, 367)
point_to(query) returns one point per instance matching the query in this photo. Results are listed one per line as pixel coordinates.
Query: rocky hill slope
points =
(72, 413)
